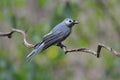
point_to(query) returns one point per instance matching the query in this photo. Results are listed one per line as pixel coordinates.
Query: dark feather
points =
(52, 38)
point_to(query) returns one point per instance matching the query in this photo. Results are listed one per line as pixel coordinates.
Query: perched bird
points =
(55, 37)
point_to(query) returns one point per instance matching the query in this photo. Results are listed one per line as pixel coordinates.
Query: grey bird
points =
(55, 37)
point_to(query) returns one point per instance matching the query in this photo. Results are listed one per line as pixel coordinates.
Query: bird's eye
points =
(70, 21)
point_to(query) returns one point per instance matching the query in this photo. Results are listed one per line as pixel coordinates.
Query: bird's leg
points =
(62, 46)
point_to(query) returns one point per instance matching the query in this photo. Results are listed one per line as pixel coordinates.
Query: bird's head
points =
(70, 22)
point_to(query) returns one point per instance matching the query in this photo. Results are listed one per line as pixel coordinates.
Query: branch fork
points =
(86, 50)
(9, 35)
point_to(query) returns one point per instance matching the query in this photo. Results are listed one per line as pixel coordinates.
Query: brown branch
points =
(9, 35)
(95, 53)
(114, 52)
(86, 50)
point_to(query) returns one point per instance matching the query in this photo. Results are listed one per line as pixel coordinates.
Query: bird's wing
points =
(53, 38)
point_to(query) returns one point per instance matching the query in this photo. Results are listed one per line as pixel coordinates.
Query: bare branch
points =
(114, 52)
(9, 35)
(95, 53)
(86, 50)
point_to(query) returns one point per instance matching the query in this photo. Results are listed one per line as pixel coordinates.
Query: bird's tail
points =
(38, 49)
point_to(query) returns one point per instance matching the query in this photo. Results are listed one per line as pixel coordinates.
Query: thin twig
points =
(114, 52)
(9, 35)
(86, 50)
(95, 53)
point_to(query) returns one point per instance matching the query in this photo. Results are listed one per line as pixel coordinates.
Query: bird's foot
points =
(63, 47)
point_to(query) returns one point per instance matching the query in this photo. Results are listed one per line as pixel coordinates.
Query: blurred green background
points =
(99, 23)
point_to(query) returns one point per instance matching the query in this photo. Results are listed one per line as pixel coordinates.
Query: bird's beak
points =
(76, 22)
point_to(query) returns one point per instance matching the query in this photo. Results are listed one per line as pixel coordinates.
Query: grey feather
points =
(34, 52)
(57, 35)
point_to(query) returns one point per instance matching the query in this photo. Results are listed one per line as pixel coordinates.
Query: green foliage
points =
(68, 10)
(53, 64)
(19, 3)
(42, 3)
(13, 21)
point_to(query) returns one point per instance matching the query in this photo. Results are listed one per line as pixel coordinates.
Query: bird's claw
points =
(63, 47)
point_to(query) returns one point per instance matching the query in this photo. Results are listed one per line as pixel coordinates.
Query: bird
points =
(55, 37)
